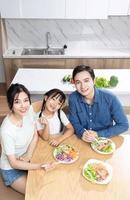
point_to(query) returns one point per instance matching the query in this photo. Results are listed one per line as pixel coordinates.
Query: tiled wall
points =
(111, 33)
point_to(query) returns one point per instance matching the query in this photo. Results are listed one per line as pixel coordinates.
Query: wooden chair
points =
(37, 106)
(127, 109)
(4, 109)
(7, 193)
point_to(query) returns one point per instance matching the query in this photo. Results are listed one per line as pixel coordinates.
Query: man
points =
(94, 112)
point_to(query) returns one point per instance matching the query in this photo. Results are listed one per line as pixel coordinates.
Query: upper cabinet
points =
(43, 9)
(63, 9)
(118, 7)
(33, 9)
(86, 9)
(96, 9)
(75, 9)
(129, 10)
(10, 9)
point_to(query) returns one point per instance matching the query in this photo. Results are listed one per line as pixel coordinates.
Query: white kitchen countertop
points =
(38, 81)
(76, 51)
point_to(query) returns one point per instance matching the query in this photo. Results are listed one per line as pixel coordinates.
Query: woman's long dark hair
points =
(13, 90)
(54, 93)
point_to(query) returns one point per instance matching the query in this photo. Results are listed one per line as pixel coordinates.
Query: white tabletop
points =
(38, 81)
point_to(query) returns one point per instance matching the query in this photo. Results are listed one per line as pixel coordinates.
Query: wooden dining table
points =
(66, 182)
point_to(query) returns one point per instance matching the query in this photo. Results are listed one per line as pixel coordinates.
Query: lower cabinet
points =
(13, 64)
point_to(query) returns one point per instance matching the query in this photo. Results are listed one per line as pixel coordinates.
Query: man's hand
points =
(89, 136)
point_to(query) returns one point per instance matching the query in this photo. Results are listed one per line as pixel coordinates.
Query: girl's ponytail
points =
(62, 125)
(43, 106)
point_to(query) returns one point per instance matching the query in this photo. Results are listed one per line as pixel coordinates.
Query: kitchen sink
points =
(43, 51)
(55, 51)
(33, 51)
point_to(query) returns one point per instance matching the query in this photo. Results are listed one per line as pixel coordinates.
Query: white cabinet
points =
(63, 9)
(96, 9)
(118, 7)
(86, 9)
(43, 9)
(32, 9)
(10, 8)
(54, 9)
(75, 9)
(129, 8)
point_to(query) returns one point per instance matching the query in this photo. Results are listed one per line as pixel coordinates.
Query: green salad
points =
(103, 145)
(90, 173)
(96, 172)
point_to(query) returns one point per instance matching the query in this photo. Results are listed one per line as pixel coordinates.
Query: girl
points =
(18, 139)
(53, 119)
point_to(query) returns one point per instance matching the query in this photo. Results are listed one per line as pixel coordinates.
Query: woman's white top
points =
(54, 123)
(16, 140)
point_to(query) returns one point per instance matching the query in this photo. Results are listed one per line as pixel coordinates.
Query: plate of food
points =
(103, 145)
(97, 171)
(65, 153)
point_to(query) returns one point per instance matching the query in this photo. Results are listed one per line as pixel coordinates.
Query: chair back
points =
(65, 109)
(37, 106)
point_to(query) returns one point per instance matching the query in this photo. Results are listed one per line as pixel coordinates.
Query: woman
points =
(94, 112)
(18, 139)
(52, 118)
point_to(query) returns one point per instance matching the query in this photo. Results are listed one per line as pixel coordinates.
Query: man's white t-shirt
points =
(54, 123)
(16, 140)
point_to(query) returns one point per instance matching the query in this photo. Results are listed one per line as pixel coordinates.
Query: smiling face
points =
(84, 84)
(21, 104)
(53, 104)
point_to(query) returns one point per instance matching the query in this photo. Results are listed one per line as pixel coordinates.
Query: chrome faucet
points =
(48, 38)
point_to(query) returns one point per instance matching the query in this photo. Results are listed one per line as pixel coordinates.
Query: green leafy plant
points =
(113, 81)
(67, 78)
(101, 82)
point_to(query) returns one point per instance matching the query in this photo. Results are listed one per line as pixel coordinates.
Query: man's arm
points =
(120, 120)
(79, 129)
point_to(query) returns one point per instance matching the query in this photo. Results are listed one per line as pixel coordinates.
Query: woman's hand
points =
(89, 135)
(25, 157)
(49, 166)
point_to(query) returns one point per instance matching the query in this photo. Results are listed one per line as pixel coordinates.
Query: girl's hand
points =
(89, 135)
(54, 142)
(43, 121)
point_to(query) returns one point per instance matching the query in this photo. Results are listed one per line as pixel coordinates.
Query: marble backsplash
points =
(111, 33)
